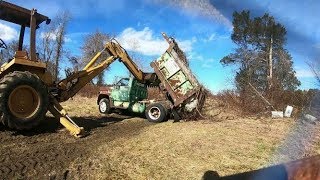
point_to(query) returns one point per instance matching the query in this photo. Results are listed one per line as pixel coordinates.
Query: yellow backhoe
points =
(27, 89)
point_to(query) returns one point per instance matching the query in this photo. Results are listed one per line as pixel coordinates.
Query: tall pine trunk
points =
(270, 75)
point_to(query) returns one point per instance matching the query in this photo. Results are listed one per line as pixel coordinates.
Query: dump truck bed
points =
(177, 78)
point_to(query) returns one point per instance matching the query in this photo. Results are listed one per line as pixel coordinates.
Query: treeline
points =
(265, 79)
(300, 99)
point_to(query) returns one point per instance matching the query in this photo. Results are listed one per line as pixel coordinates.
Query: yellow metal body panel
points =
(23, 64)
(22, 61)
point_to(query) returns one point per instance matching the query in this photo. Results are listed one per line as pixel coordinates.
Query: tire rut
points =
(52, 163)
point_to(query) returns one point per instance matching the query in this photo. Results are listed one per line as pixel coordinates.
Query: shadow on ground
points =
(52, 125)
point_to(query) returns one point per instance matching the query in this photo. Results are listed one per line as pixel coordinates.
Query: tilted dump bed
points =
(172, 69)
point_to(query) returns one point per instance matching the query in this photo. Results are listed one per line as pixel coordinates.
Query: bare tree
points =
(53, 38)
(75, 62)
(8, 54)
(46, 46)
(47, 43)
(63, 20)
(315, 68)
(93, 43)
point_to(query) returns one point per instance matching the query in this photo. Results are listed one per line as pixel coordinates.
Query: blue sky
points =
(202, 28)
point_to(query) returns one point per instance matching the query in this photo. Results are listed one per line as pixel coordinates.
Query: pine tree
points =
(261, 56)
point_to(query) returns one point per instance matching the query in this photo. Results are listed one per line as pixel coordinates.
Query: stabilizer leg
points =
(57, 110)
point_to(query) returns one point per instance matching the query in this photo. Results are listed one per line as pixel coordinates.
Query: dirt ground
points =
(123, 147)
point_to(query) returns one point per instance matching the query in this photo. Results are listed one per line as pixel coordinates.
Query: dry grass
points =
(136, 149)
(187, 150)
(82, 107)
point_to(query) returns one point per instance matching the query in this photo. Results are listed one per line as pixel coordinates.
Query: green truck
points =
(184, 95)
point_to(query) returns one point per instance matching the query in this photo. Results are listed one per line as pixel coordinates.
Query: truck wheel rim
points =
(24, 101)
(103, 106)
(154, 113)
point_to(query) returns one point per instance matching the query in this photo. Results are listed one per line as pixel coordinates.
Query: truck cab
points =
(132, 95)
(127, 93)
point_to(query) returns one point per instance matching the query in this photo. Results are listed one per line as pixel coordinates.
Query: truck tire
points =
(23, 100)
(156, 113)
(104, 106)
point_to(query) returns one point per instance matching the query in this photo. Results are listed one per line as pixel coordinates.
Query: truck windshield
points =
(123, 82)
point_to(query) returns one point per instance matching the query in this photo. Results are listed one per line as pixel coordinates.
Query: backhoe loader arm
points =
(76, 81)
(68, 87)
(116, 50)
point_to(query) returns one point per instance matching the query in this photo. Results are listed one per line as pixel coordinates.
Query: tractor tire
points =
(156, 113)
(24, 100)
(104, 106)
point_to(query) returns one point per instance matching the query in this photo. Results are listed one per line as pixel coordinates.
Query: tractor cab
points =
(22, 60)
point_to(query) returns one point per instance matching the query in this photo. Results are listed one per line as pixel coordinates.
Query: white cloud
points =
(208, 63)
(7, 33)
(304, 73)
(186, 45)
(67, 39)
(204, 63)
(195, 57)
(198, 7)
(210, 38)
(146, 43)
(194, 39)
(214, 37)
